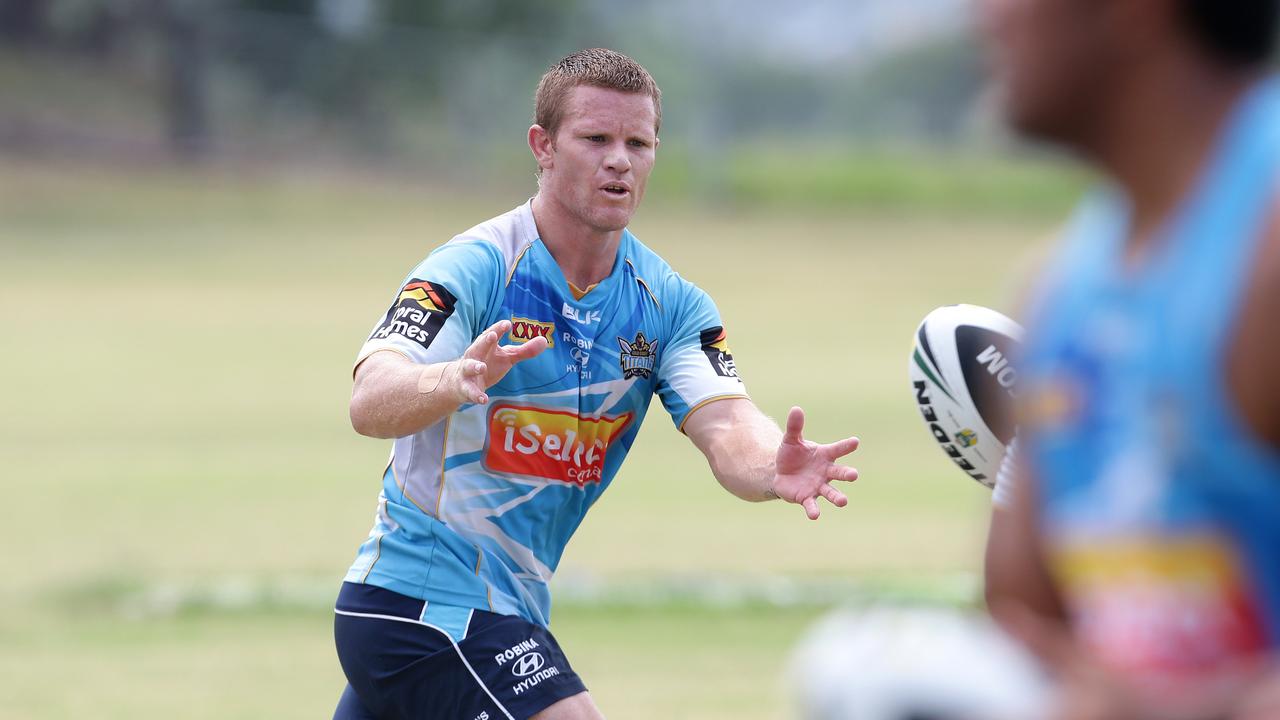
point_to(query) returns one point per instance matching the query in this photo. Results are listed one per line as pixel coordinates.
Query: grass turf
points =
(178, 357)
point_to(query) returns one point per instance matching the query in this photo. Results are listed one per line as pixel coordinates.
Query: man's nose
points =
(617, 159)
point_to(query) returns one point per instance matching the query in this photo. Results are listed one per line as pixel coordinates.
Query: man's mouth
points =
(616, 189)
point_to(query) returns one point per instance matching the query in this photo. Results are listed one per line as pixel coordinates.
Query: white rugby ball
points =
(963, 382)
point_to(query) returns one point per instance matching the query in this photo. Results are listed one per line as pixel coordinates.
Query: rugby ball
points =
(963, 381)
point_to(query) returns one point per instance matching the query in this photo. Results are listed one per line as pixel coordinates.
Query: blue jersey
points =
(1160, 510)
(475, 511)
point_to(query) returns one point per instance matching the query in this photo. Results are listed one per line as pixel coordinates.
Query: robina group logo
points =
(551, 444)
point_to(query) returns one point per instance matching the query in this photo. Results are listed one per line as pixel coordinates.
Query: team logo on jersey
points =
(523, 330)
(551, 444)
(966, 438)
(419, 312)
(716, 346)
(638, 357)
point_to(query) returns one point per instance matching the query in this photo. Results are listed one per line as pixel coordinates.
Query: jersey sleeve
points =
(441, 306)
(1002, 495)
(697, 367)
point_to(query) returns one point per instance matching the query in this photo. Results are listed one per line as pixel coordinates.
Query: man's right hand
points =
(486, 362)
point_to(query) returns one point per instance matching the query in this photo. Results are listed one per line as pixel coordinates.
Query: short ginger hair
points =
(596, 67)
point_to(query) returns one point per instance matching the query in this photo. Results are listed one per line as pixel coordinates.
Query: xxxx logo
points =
(523, 330)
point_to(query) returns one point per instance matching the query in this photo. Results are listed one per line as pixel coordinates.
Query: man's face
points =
(599, 160)
(1049, 62)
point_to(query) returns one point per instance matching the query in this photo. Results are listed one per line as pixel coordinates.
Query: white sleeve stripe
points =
(705, 402)
(1002, 495)
(370, 350)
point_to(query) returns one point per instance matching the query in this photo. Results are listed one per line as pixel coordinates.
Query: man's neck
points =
(585, 255)
(1159, 136)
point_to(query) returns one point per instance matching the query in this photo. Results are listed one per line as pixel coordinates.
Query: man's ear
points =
(543, 146)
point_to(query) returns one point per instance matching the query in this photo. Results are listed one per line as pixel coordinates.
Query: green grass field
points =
(183, 492)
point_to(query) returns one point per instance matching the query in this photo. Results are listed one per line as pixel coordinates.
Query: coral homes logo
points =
(550, 444)
(420, 311)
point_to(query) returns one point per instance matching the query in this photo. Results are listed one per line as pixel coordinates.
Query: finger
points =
(810, 506)
(834, 496)
(500, 328)
(842, 473)
(840, 448)
(473, 392)
(483, 346)
(473, 368)
(531, 349)
(795, 426)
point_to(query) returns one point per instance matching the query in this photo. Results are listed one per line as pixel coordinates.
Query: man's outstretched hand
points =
(804, 470)
(486, 362)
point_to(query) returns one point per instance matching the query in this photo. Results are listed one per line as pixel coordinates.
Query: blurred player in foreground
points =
(1138, 550)
(514, 369)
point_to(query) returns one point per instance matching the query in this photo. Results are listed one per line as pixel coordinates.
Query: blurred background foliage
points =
(874, 103)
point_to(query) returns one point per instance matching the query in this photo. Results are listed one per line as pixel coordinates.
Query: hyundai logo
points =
(528, 664)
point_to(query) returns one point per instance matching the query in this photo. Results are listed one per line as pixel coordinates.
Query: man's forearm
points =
(394, 397)
(743, 460)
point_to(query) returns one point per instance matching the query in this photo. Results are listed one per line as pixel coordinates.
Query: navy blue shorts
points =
(409, 659)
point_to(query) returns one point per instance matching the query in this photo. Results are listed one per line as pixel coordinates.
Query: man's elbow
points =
(365, 419)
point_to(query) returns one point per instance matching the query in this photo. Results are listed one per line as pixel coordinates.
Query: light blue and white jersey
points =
(475, 511)
(1159, 507)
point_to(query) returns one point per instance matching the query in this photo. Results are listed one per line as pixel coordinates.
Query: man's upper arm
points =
(697, 367)
(1255, 349)
(712, 420)
(441, 306)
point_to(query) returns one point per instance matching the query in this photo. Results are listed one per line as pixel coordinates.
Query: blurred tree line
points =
(335, 57)
(404, 78)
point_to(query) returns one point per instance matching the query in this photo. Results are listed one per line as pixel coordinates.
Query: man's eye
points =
(595, 138)
(639, 143)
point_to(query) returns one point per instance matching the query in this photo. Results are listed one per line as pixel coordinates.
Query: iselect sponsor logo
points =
(551, 444)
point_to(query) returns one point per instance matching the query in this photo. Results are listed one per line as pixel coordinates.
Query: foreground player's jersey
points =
(1161, 511)
(475, 511)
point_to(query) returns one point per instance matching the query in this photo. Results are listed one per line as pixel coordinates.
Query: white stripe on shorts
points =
(456, 649)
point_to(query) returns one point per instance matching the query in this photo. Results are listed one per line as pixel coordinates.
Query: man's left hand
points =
(804, 470)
